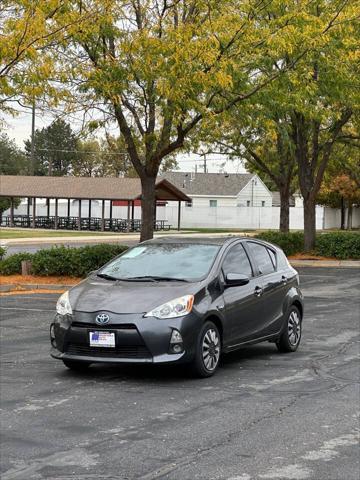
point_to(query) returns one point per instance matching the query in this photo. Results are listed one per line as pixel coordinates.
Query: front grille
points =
(108, 326)
(121, 351)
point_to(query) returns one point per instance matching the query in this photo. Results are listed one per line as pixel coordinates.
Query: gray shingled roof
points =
(97, 188)
(209, 183)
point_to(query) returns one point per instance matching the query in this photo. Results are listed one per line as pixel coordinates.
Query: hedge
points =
(78, 262)
(12, 264)
(73, 262)
(291, 243)
(341, 245)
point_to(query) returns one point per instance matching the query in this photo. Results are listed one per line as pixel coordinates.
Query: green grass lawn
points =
(7, 233)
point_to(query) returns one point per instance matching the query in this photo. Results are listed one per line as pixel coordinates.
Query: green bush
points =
(341, 245)
(11, 265)
(291, 243)
(55, 261)
(93, 257)
(74, 262)
(2, 252)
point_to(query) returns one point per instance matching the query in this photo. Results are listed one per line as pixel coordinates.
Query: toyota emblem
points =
(102, 319)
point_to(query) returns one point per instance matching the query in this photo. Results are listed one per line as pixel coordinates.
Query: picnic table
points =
(86, 223)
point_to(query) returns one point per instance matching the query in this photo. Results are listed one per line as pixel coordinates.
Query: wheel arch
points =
(299, 306)
(217, 321)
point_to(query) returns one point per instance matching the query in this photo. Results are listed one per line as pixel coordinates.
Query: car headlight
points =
(175, 308)
(63, 306)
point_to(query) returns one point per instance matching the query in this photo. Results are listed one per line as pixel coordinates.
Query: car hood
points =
(93, 295)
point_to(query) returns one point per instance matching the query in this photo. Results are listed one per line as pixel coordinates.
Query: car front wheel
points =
(291, 336)
(207, 351)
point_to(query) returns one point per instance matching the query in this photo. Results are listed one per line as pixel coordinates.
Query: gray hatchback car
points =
(180, 300)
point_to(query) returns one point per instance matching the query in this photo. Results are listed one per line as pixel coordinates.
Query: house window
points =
(263, 203)
(188, 204)
(213, 203)
(248, 203)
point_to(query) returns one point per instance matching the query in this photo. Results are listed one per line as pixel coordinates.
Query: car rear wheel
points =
(208, 351)
(291, 336)
(74, 365)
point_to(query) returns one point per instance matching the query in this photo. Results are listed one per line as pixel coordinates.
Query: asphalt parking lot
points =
(262, 416)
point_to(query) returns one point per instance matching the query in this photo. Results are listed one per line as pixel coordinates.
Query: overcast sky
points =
(19, 128)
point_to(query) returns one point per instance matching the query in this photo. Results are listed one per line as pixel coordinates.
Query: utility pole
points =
(33, 139)
(204, 164)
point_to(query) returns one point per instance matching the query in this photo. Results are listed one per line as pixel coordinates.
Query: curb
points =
(20, 287)
(326, 264)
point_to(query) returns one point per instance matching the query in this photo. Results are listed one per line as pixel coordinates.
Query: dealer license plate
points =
(102, 339)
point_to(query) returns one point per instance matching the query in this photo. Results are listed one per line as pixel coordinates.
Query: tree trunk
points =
(147, 208)
(284, 211)
(350, 210)
(342, 226)
(309, 223)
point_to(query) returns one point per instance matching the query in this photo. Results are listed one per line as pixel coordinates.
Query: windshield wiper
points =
(155, 278)
(108, 277)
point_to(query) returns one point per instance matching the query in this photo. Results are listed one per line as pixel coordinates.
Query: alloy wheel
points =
(294, 328)
(211, 349)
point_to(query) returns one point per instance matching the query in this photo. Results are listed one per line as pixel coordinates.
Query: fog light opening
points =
(176, 342)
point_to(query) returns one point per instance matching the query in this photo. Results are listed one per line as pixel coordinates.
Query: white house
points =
(222, 190)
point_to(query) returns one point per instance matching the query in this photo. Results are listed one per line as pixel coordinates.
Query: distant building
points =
(221, 189)
(276, 200)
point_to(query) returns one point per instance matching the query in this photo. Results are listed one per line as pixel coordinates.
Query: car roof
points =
(210, 240)
(199, 240)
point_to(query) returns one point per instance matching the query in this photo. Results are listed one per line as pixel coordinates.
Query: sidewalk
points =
(59, 240)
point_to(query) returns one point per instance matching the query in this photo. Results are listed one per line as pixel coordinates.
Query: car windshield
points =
(184, 262)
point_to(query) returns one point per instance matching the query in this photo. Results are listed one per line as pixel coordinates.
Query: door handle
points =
(284, 279)
(258, 291)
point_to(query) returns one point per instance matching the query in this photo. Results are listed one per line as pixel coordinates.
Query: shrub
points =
(291, 243)
(2, 252)
(341, 245)
(12, 264)
(74, 262)
(93, 257)
(55, 261)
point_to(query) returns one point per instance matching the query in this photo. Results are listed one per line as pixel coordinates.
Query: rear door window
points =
(262, 258)
(237, 261)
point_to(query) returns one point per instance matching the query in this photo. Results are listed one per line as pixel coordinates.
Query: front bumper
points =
(137, 339)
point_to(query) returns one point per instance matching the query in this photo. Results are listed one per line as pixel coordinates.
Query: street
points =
(264, 415)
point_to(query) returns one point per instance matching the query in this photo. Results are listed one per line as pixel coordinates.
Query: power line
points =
(125, 153)
(79, 151)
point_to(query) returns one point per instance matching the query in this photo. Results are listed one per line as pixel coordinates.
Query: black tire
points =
(290, 338)
(199, 366)
(76, 365)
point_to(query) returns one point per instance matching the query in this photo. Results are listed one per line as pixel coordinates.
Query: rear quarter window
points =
(273, 257)
(282, 260)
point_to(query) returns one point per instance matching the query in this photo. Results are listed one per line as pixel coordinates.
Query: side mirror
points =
(236, 280)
